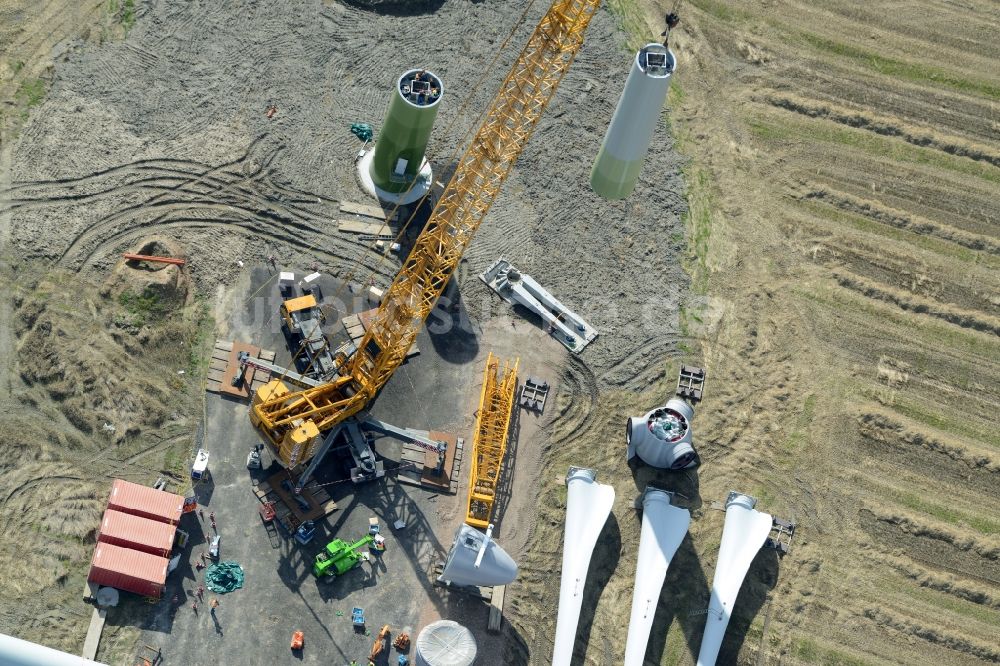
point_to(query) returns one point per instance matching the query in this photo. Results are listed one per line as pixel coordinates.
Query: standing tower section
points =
(396, 170)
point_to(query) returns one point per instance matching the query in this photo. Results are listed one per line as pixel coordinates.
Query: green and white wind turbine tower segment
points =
(398, 159)
(620, 159)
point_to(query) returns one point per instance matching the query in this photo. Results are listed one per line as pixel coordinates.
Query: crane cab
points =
(294, 311)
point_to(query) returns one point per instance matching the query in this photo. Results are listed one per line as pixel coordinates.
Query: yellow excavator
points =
(299, 424)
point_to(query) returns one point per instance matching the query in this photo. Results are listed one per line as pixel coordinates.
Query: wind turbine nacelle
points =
(476, 559)
(662, 438)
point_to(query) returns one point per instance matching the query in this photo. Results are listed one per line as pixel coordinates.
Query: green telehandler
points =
(339, 557)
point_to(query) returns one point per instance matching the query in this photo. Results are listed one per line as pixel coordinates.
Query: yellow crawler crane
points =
(291, 421)
(489, 444)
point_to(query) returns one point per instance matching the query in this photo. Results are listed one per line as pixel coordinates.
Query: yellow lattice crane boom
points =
(291, 421)
(489, 444)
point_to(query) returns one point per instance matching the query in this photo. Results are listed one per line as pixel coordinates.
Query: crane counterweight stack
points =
(475, 184)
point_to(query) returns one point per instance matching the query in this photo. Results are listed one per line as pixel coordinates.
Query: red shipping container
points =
(145, 502)
(127, 531)
(128, 570)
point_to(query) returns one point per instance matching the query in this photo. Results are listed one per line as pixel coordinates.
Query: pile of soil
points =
(165, 284)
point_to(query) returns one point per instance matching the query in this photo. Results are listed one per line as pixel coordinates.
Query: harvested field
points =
(844, 192)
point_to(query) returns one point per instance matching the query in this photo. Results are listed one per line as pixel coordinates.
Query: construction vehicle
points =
(305, 532)
(379, 645)
(339, 557)
(292, 422)
(302, 321)
(199, 468)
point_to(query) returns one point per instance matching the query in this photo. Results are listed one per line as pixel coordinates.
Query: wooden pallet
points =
(357, 324)
(376, 229)
(224, 365)
(366, 210)
(287, 510)
(423, 463)
(496, 609)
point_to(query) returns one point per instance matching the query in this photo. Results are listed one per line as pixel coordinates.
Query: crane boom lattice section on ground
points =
(286, 418)
(490, 441)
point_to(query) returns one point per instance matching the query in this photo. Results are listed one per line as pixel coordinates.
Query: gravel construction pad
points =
(166, 134)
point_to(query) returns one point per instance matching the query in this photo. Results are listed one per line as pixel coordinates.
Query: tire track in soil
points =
(622, 371)
(146, 58)
(109, 220)
(577, 412)
(138, 164)
(158, 183)
(242, 228)
(119, 466)
(183, 181)
(57, 20)
(27, 485)
(251, 202)
(9, 378)
(230, 192)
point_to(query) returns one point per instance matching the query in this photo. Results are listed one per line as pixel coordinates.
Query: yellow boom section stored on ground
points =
(285, 417)
(489, 444)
